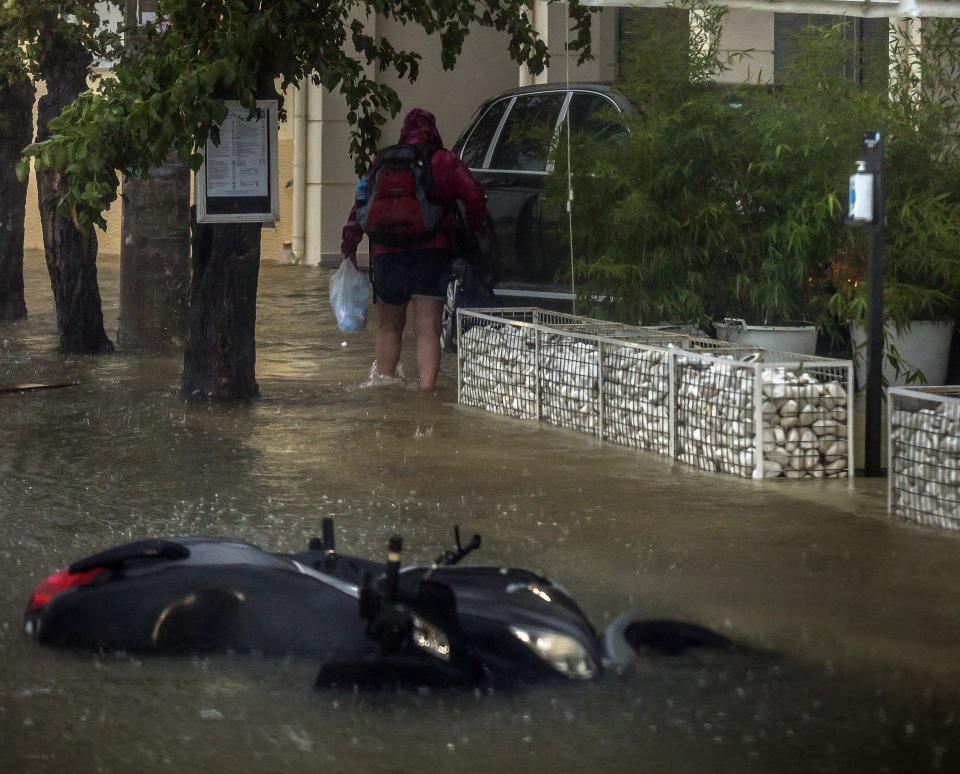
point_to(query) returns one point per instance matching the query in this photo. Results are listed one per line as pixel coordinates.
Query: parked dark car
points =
(507, 149)
(506, 146)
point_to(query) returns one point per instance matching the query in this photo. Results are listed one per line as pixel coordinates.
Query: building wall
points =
(483, 70)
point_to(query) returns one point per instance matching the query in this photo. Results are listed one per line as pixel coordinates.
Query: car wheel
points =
(448, 321)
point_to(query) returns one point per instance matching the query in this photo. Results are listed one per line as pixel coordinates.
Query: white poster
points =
(237, 182)
(239, 165)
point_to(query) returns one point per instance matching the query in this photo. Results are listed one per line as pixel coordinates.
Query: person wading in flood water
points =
(405, 205)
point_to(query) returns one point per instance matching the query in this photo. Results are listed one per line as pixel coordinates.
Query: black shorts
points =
(398, 277)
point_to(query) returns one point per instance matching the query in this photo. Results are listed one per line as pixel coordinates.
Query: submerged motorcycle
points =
(369, 624)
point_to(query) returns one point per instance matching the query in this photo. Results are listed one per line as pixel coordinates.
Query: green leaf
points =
(23, 169)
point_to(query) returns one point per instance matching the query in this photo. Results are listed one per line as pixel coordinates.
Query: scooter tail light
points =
(57, 583)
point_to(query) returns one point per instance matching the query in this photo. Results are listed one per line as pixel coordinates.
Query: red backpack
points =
(395, 206)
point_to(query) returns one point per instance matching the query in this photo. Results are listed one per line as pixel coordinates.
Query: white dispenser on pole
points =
(861, 195)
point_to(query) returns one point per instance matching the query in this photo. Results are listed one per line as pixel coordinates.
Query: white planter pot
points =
(923, 346)
(801, 339)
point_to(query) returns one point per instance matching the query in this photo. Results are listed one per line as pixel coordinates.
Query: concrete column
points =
(327, 173)
(526, 77)
(541, 23)
(299, 216)
(905, 40)
(550, 22)
(330, 176)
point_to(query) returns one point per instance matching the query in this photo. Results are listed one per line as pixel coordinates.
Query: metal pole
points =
(873, 155)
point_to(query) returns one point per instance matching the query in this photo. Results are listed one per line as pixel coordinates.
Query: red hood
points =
(420, 126)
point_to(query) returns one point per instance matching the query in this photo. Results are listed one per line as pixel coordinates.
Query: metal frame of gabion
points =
(923, 455)
(563, 321)
(719, 407)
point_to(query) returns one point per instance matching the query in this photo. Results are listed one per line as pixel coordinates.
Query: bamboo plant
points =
(729, 201)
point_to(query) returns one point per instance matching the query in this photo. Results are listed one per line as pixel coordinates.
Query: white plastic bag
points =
(349, 295)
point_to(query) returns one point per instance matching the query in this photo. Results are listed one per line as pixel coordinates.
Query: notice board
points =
(238, 180)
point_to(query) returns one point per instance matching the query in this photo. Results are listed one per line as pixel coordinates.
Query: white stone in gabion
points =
(789, 411)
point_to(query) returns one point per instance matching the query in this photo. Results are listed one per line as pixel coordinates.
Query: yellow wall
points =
(484, 69)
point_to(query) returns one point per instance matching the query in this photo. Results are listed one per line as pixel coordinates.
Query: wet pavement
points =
(852, 616)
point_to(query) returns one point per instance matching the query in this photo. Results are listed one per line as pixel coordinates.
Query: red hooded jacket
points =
(452, 181)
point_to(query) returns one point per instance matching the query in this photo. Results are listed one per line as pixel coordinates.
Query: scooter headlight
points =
(560, 651)
(428, 637)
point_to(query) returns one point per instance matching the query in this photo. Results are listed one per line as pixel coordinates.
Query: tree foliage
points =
(921, 119)
(29, 29)
(57, 42)
(171, 94)
(33, 31)
(730, 200)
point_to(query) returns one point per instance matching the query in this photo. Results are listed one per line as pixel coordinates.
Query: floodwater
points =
(857, 615)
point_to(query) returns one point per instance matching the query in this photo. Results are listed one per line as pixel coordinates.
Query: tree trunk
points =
(71, 253)
(16, 128)
(219, 361)
(155, 258)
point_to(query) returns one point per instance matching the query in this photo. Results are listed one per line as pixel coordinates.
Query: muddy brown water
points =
(856, 615)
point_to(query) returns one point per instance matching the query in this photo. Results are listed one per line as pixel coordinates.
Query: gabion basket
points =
(923, 466)
(716, 406)
(763, 414)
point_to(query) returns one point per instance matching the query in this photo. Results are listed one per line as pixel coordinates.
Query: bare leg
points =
(426, 323)
(390, 321)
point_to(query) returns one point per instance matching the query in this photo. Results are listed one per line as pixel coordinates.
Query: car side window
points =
(595, 117)
(524, 143)
(475, 151)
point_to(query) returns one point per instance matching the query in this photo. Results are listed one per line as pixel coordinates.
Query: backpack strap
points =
(425, 151)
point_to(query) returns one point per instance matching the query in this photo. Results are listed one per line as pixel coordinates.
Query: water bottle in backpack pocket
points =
(397, 208)
(362, 185)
